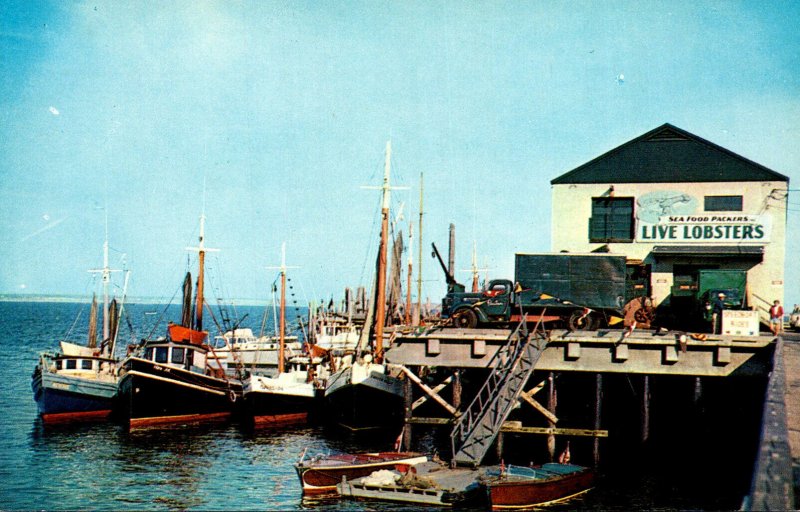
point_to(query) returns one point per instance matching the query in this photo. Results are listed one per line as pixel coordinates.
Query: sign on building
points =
(706, 228)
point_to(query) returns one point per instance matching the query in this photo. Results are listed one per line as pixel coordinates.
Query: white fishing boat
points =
(241, 349)
(294, 394)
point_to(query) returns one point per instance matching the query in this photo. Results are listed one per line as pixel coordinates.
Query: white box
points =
(740, 323)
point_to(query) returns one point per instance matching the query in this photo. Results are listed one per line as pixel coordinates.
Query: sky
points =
(269, 117)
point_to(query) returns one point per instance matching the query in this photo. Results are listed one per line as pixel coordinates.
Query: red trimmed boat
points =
(520, 487)
(178, 379)
(321, 474)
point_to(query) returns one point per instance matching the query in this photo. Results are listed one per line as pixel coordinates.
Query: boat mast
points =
(282, 333)
(105, 273)
(282, 351)
(408, 277)
(201, 258)
(418, 311)
(380, 317)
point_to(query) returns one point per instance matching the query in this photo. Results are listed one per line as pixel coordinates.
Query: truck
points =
(581, 291)
(694, 293)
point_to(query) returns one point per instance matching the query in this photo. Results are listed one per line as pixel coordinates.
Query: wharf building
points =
(675, 204)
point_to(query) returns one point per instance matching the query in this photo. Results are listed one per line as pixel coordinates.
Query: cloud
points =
(54, 111)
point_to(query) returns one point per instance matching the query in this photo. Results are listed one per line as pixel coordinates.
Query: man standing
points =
(716, 313)
(776, 318)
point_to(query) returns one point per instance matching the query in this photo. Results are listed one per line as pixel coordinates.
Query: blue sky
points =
(283, 110)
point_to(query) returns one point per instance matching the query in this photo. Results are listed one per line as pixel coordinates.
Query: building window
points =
(612, 219)
(723, 203)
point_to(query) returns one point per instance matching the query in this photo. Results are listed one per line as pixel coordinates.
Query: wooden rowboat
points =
(320, 474)
(520, 487)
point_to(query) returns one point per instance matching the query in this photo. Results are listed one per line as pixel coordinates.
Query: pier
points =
(699, 359)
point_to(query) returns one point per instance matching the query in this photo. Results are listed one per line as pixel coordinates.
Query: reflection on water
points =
(226, 466)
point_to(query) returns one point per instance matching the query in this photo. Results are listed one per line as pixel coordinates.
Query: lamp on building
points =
(611, 191)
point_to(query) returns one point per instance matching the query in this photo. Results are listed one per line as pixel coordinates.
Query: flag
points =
(544, 296)
(614, 320)
(564, 457)
(586, 312)
(630, 330)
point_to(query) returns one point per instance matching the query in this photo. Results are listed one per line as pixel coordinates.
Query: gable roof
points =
(668, 154)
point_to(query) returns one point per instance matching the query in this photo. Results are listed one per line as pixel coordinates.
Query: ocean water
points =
(228, 467)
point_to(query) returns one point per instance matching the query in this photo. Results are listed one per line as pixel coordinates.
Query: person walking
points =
(776, 318)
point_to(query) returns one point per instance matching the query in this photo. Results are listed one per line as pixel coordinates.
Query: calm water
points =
(224, 467)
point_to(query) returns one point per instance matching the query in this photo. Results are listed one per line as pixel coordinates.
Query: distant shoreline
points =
(74, 299)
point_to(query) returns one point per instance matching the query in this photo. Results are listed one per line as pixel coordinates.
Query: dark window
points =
(723, 203)
(161, 354)
(58, 364)
(189, 359)
(612, 219)
(71, 364)
(86, 364)
(148, 353)
(177, 355)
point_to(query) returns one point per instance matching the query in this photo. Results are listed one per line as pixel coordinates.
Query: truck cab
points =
(495, 305)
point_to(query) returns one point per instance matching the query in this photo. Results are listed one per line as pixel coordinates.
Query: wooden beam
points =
(422, 400)
(425, 388)
(554, 431)
(429, 421)
(539, 407)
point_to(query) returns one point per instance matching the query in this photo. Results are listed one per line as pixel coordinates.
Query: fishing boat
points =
(362, 393)
(240, 349)
(512, 487)
(79, 383)
(292, 395)
(176, 379)
(321, 473)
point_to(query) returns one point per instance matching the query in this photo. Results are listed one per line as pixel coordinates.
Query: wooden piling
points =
(552, 400)
(598, 410)
(645, 408)
(457, 389)
(408, 399)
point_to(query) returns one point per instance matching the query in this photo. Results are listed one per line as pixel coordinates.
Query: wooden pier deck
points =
(605, 351)
(776, 475)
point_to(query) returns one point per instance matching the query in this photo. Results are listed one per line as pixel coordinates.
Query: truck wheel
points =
(578, 322)
(466, 319)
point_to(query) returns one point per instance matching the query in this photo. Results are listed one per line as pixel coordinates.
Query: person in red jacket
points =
(776, 318)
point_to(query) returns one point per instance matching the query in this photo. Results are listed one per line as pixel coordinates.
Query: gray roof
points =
(668, 154)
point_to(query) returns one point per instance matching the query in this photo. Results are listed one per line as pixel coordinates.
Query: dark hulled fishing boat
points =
(74, 385)
(79, 383)
(363, 393)
(171, 382)
(177, 379)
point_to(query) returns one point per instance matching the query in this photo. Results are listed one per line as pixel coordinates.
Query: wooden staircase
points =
(476, 429)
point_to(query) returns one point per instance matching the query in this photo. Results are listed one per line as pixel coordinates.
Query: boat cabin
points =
(78, 365)
(187, 356)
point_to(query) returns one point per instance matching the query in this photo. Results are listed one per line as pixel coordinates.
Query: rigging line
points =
(163, 312)
(376, 218)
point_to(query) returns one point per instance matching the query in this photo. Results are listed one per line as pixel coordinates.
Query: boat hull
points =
(281, 407)
(364, 402)
(321, 477)
(154, 395)
(62, 398)
(520, 493)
